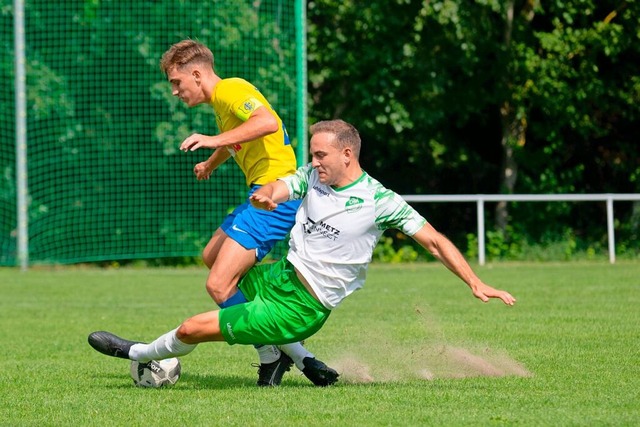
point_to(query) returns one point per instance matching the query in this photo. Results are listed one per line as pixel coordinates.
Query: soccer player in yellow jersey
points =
(254, 135)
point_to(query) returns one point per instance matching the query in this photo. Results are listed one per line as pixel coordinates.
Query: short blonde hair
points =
(184, 53)
(346, 134)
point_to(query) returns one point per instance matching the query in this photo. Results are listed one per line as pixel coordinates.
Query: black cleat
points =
(109, 344)
(319, 373)
(270, 374)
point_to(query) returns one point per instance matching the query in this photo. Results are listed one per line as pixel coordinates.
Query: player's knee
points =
(185, 331)
(219, 291)
(191, 330)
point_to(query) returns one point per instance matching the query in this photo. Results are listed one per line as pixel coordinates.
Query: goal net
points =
(106, 180)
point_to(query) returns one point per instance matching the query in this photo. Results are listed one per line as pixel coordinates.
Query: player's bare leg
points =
(212, 249)
(229, 261)
(181, 341)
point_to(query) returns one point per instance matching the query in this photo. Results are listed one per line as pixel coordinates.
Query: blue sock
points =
(237, 298)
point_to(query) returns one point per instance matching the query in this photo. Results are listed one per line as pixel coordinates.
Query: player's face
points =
(327, 159)
(185, 85)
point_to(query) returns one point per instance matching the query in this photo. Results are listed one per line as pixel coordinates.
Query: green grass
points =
(414, 348)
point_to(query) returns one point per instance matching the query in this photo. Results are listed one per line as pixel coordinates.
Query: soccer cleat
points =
(318, 372)
(109, 344)
(270, 374)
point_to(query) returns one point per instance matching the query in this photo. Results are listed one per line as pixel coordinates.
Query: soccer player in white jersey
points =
(343, 214)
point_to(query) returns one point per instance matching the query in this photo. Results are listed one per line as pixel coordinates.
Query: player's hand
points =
(198, 140)
(202, 171)
(485, 292)
(260, 201)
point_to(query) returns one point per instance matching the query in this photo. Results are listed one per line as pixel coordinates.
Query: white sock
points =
(268, 353)
(297, 353)
(164, 347)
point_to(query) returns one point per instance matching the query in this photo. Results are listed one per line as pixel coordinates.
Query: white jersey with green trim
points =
(336, 230)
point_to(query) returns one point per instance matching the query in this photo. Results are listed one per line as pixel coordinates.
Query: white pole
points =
(302, 150)
(611, 231)
(21, 134)
(480, 215)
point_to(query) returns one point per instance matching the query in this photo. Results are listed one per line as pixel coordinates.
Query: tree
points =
(485, 96)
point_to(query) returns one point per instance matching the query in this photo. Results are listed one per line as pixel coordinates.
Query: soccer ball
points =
(155, 374)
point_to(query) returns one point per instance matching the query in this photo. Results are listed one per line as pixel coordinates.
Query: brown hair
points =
(186, 52)
(346, 135)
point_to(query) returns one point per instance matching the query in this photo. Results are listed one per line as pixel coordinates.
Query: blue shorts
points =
(259, 229)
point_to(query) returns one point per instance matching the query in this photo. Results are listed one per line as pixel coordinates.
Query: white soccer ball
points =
(154, 374)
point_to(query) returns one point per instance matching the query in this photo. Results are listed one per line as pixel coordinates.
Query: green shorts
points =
(280, 310)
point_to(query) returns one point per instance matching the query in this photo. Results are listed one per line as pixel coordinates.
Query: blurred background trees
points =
(450, 96)
(487, 97)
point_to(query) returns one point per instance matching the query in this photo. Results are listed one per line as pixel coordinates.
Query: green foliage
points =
(582, 97)
(515, 245)
(426, 82)
(437, 89)
(388, 251)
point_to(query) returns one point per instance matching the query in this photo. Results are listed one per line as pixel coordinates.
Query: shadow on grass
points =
(191, 381)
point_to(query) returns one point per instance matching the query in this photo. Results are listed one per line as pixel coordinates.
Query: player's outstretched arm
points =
(260, 123)
(446, 252)
(203, 170)
(268, 196)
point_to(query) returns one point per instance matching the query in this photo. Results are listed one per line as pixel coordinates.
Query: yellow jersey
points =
(264, 159)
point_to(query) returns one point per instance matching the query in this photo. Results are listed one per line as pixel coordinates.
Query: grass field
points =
(414, 348)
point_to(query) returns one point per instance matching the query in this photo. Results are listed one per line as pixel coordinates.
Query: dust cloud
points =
(426, 363)
(380, 359)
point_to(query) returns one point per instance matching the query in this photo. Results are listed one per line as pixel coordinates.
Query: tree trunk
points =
(513, 126)
(513, 135)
